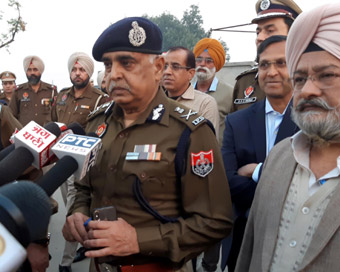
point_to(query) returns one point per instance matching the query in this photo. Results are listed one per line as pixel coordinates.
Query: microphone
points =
(76, 155)
(51, 127)
(32, 147)
(24, 217)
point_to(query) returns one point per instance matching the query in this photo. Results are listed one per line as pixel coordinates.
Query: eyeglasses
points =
(175, 67)
(206, 60)
(264, 65)
(323, 80)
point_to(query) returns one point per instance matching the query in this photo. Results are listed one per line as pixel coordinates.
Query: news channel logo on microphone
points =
(83, 149)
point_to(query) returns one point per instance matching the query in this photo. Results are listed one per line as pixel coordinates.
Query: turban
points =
(215, 50)
(100, 78)
(84, 60)
(321, 26)
(36, 61)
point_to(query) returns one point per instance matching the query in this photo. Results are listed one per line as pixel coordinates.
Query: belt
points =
(150, 267)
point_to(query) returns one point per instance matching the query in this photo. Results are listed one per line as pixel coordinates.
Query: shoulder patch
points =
(189, 117)
(254, 69)
(100, 110)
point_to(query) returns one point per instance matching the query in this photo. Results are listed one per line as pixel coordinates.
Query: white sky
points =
(56, 29)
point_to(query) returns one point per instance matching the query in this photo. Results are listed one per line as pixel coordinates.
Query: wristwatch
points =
(45, 241)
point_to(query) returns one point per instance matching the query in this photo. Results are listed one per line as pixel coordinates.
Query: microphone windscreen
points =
(15, 164)
(58, 174)
(76, 128)
(53, 128)
(6, 151)
(34, 205)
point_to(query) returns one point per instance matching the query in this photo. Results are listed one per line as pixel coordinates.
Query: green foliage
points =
(15, 25)
(185, 32)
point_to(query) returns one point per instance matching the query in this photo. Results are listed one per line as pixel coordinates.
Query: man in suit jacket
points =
(294, 220)
(251, 133)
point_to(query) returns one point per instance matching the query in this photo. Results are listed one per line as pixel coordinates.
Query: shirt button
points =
(305, 210)
(36, 105)
(36, 114)
(143, 175)
(121, 135)
(292, 243)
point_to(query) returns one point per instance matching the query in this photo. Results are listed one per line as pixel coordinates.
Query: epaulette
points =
(189, 117)
(51, 86)
(102, 109)
(64, 89)
(254, 69)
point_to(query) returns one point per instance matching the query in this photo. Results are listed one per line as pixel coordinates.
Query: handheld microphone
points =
(83, 149)
(76, 155)
(24, 216)
(51, 127)
(32, 147)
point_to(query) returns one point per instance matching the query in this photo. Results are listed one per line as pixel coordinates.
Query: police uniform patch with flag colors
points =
(202, 163)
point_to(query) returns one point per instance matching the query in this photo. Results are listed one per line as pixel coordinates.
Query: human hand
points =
(116, 238)
(74, 229)
(38, 257)
(247, 170)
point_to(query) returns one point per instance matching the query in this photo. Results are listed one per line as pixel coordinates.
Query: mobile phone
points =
(105, 214)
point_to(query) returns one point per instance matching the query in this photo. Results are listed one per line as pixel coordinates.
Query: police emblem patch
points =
(202, 163)
(101, 130)
(137, 35)
(25, 95)
(64, 97)
(265, 4)
(249, 91)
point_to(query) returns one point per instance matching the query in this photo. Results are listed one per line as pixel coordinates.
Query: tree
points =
(185, 32)
(15, 25)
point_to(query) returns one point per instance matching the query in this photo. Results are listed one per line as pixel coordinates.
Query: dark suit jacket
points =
(244, 142)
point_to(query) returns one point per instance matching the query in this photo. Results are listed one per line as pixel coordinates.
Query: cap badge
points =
(7, 75)
(137, 34)
(265, 4)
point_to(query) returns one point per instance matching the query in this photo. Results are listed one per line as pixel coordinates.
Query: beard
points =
(320, 128)
(33, 79)
(203, 76)
(80, 85)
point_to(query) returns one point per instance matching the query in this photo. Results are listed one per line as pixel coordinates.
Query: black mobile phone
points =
(105, 214)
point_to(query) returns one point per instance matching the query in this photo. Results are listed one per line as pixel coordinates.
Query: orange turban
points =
(215, 50)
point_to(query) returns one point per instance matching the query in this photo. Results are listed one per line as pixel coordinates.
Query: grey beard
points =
(201, 76)
(322, 130)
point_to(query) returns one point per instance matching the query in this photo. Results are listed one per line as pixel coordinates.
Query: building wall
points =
(231, 70)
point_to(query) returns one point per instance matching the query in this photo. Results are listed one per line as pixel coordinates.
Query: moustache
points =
(114, 85)
(316, 102)
(202, 68)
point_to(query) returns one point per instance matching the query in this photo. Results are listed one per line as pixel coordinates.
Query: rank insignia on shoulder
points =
(144, 153)
(187, 116)
(247, 99)
(202, 163)
(101, 130)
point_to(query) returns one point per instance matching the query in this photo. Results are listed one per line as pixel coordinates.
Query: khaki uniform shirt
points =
(202, 103)
(68, 108)
(247, 90)
(27, 105)
(202, 202)
(8, 125)
(4, 98)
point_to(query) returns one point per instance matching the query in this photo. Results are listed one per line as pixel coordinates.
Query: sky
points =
(57, 29)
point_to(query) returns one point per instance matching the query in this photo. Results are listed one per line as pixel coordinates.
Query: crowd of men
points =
(198, 175)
